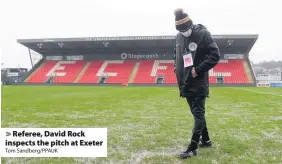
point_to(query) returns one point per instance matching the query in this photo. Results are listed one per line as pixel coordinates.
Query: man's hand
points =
(194, 74)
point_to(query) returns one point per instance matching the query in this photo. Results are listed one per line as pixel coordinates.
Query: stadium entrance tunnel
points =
(219, 80)
(50, 79)
(160, 80)
(102, 80)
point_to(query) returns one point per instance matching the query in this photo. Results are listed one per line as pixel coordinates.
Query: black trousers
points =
(197, 107)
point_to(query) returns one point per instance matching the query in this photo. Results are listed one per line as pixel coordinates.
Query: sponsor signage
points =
(125, 56)
(233, 56)
(130, 38)
(79, 57)
(276, 84)
(266, 84)
(10, 74)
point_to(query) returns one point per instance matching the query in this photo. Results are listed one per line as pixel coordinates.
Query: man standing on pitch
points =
(195, 54)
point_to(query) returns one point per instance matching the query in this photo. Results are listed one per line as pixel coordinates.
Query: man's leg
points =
(197, 106)
(191, 103)
(205, 133)
(205, 140)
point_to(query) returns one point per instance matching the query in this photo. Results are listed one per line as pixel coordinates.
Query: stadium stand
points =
(11, 76)
(232, 71)
(150, 69)
(90, 74)
(40, 76)
(131, 60)
(66, 71)
(119, 72)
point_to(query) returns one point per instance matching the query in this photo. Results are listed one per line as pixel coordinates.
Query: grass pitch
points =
(152, 124)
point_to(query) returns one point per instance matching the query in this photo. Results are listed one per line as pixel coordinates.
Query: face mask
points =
(187, 33)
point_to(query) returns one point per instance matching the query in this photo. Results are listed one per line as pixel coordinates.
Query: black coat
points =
(205, 57)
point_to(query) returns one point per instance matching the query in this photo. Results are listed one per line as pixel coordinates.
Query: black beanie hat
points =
(182, 20)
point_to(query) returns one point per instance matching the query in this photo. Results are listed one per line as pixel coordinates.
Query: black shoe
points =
(189, 153)
(205, 143)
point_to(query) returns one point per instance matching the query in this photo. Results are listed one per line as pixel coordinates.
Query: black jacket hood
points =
(198, 27)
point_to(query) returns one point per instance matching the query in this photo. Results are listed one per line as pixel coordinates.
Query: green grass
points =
(152, 124)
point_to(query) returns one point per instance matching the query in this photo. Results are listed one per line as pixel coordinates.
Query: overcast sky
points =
(25, 19)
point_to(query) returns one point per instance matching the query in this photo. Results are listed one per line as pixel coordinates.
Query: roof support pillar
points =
(30, 58)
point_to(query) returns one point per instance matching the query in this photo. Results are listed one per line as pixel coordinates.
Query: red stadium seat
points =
(120, 71)
(117, 71)
(143, 75)
(233, 72)
(90, 74)
(40, 75)
(150, 69)
(67, 71)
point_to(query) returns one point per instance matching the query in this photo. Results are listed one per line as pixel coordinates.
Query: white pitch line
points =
(258, 92)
